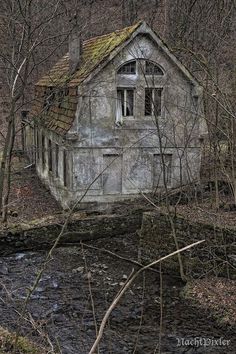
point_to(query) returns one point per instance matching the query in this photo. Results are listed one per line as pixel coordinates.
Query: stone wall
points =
(42, 233)
(216, 256)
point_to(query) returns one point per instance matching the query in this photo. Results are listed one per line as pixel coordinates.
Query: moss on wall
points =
(24, 345)
(213, 257)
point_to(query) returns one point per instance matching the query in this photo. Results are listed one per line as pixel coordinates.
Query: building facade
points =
(126, 118)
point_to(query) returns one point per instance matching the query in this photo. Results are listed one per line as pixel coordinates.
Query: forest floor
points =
(30, 199)
(205, 212)
(79, 284)
(136, 324)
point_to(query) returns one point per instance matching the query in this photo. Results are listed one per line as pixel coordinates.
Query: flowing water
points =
(76, 289)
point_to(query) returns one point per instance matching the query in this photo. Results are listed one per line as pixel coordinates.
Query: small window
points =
(65, 168)
(56, 160)
(43, 151)
(37, 144)
(128, 69)
(125, 102)
(152, 69)
(50, 155)
(49, 96)
(61, 94)
(60, 97)
(153, 101)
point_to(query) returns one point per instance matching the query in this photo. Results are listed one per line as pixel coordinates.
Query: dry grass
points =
(24, 346)
(216, 295)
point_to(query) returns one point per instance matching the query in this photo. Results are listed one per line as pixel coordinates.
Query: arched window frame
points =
(128, 68)
(153, 95)
(151, 64)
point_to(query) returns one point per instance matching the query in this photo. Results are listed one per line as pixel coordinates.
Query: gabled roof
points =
(95, 51)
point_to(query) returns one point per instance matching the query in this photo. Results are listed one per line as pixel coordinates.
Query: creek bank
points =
(217, 295)
(214, 257)
(61, 307)
(24, 346)
(41, 234)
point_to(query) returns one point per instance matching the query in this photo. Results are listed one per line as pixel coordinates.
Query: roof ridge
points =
(95, 50)
(128, 28)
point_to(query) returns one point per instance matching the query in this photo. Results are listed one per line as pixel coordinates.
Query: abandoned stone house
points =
(117, 115)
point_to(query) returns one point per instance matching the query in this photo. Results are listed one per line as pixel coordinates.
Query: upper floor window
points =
(49, 96)
(57, 159)
(128, 68)
(152, 68)
(65, 169)
(153, 101)
(125, 104)
(61, 94)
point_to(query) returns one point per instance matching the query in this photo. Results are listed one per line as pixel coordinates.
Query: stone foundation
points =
(41, 234)
(216, 256)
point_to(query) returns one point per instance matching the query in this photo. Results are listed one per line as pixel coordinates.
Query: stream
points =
(77, 287)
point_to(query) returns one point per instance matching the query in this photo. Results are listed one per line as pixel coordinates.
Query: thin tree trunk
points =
(4, 161)
(8, 172)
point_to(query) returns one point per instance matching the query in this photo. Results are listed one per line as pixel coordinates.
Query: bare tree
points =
(25, 30)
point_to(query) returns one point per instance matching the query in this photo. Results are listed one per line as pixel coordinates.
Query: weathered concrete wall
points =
(99, 136)
(52, 180)
(95, 139)
(41, 234)
(216, 256)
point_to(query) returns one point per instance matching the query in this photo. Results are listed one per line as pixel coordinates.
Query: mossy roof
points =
(59, 117)
(94, 52)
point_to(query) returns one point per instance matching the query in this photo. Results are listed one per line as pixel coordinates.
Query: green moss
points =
(95, 51)
(222, 314)
(24, 346)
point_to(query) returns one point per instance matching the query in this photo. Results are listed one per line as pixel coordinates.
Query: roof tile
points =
(95, 50)
(60, 117)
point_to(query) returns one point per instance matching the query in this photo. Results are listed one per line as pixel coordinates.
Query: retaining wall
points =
(42, 233)
(217, 255)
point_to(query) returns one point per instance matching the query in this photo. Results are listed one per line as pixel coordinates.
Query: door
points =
(112, 176)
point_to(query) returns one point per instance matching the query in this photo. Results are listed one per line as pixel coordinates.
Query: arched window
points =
(128, 68)
(152, 68)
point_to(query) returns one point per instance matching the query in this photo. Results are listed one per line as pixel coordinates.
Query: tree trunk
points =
(8, 172)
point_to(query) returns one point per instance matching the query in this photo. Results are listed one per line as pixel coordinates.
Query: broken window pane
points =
(43, 150)
(61, 94)
(153, 101)
(56, 159)
(157, 102)
(49, 96)
(128, 69)
(148, 102)
(152, 69)
(125, 104)
(65, 168)
(121, 104)
(129, 102)
(50, 155)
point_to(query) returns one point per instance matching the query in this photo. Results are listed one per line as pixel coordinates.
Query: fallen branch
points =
(126, 286)
(140, 265)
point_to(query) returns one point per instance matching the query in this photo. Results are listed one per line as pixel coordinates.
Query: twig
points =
(90, 292)
(118, 256)
(141, 317)
(126, 286)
